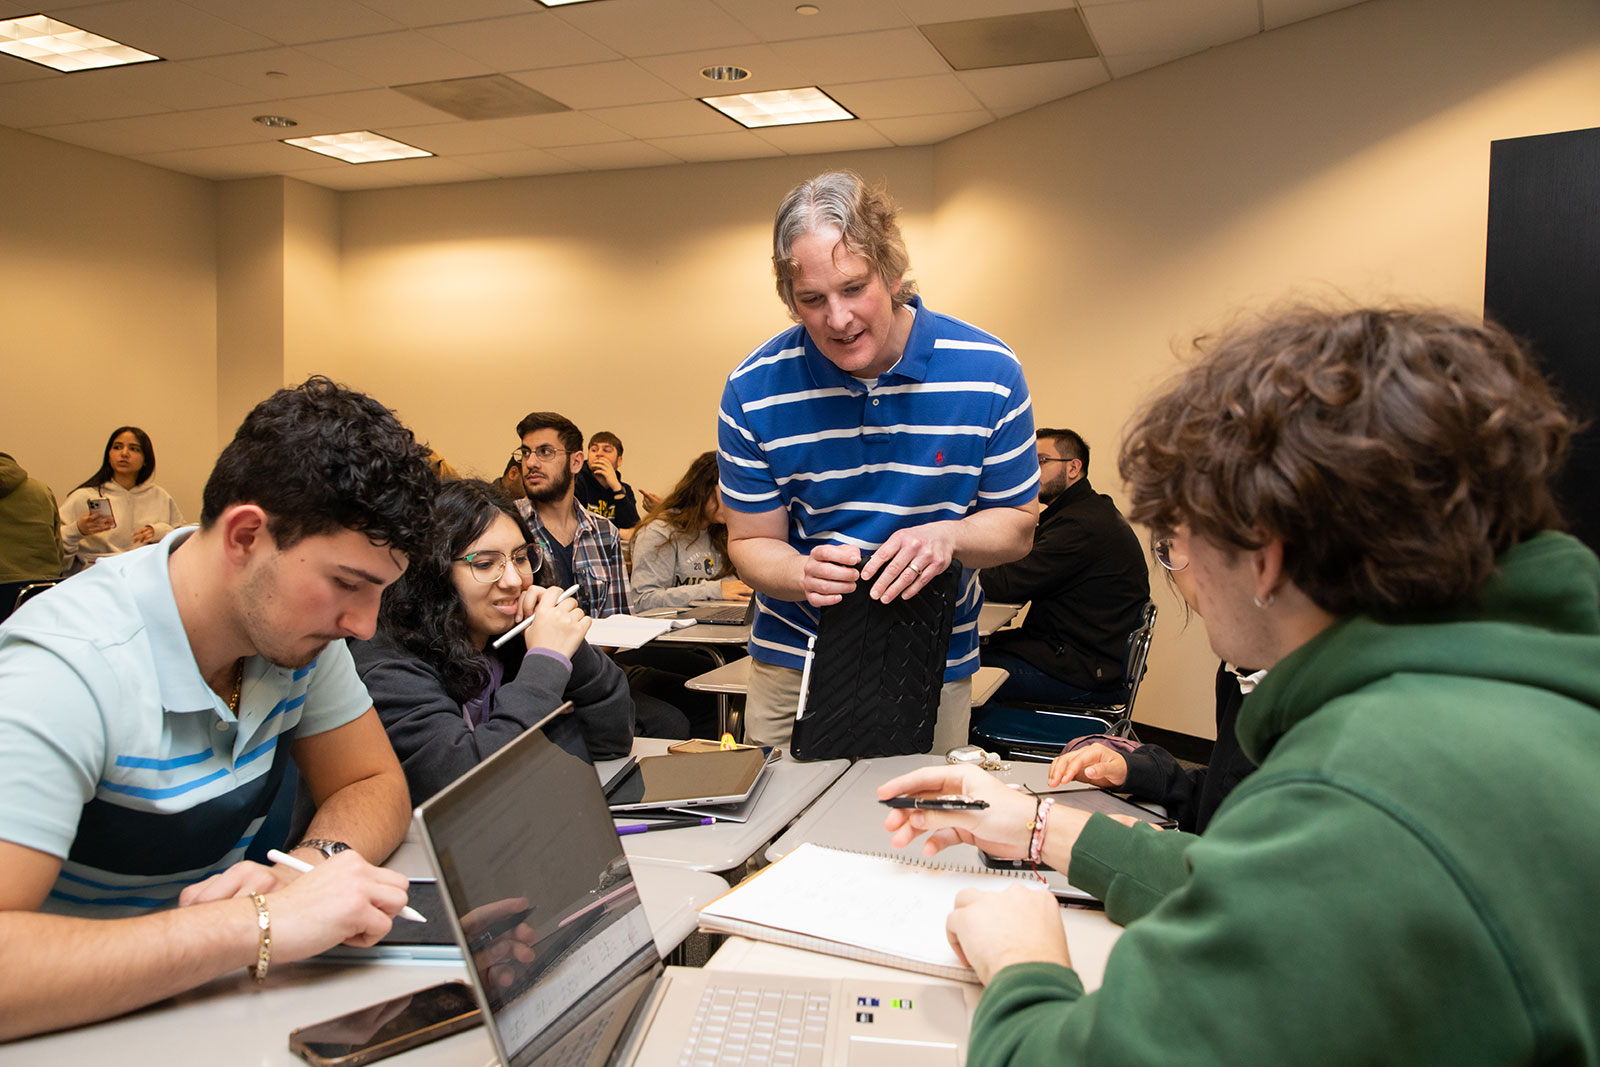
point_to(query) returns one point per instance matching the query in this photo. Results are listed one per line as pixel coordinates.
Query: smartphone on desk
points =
(387, 1027)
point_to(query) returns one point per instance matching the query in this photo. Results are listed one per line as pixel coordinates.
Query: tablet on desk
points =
(687, 780)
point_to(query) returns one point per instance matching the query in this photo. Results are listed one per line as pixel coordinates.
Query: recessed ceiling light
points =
(808, 9)
(61, 46)
(275, 121)
(724, 74)
(361, 146)
(561, 3)
(779, 107)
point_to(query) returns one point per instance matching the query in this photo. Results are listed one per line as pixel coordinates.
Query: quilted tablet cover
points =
(876, 675)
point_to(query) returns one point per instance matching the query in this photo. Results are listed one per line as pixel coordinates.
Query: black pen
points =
(944, 803)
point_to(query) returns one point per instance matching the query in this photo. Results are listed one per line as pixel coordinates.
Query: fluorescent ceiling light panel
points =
(779, 107)
(362, 146)
(60, 46)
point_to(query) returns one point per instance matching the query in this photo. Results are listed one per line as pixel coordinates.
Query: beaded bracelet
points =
(264, 947)
(1036, 846)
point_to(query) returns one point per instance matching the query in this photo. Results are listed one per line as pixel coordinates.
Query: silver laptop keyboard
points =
(734, 614)
(734, 1026)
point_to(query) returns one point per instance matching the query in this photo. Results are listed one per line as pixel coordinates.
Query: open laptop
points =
(712, 614)
(544, 907)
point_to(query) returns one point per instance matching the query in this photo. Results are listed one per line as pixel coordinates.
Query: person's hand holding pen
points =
(526, 610)
(501, 940)
(558, 622)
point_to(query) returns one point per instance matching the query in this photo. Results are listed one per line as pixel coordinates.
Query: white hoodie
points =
(143, 505)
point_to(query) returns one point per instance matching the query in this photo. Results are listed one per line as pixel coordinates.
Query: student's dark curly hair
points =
(421, 612)
(105, 473)
(319, 458)
(684, 509)
(1396, 453)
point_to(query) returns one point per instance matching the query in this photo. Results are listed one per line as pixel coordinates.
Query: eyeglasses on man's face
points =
(544, 453)
(487, 567)
(1169, 555)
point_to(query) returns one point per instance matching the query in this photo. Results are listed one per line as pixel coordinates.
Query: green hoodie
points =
(1409, 878)
(30, 536)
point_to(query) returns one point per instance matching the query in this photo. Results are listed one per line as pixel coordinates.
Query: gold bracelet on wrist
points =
(264, 946)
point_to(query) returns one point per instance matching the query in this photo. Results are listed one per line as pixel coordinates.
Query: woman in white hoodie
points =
(131, 510)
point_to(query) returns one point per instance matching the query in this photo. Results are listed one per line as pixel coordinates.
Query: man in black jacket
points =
(1087, 582)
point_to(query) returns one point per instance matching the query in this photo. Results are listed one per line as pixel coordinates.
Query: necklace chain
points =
(238, 687)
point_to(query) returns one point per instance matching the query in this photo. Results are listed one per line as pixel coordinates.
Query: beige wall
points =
(108, 290)
(1348, 154)
(1344, 155)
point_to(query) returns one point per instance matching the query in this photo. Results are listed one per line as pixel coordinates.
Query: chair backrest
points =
(31, 590)
(1135, 662)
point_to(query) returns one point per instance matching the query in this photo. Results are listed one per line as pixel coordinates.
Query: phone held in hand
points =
(948, 802)
(995, 863)
(388, 1027)
(99, 505)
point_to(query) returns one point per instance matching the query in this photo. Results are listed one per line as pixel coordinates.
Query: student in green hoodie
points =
(1363, 501)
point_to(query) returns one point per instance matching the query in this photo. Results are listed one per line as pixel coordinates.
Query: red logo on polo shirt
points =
(938, 457)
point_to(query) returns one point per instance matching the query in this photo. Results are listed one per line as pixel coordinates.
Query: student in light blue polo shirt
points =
(150, 705)
(877, 441)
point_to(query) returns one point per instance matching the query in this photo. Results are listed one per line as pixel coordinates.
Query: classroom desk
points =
(993, 615)
(791, 786)
(230, 1021)
(734, 678)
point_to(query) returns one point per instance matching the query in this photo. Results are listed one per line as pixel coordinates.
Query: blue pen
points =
(664, 824)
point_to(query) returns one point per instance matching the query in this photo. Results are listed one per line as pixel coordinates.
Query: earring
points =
(1271, 597)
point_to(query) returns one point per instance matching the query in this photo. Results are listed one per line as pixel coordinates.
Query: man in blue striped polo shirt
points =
(877, 441)
(150, 705)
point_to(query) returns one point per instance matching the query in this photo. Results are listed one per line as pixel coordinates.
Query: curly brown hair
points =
(684, 509)
(1395, 453)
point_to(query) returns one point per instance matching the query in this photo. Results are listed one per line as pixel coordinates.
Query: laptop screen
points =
(547, 908)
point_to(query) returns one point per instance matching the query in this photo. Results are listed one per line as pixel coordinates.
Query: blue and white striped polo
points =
(945, 432)
(116, 756)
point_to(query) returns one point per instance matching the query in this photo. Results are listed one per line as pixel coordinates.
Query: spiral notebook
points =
(873, 907)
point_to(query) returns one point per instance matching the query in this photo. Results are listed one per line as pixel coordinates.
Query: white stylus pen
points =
(567, 594)
(805, 678)
(407, 912)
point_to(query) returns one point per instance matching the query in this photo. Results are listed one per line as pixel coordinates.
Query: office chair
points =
(1038, 732)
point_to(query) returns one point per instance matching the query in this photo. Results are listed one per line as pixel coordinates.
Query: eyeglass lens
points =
(488, 566)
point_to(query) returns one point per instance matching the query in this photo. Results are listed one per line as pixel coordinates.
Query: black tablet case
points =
(876, 674)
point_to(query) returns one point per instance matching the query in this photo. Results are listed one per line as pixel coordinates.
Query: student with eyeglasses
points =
(447, 699)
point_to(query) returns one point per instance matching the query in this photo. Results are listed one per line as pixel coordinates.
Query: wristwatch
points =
(329, 849)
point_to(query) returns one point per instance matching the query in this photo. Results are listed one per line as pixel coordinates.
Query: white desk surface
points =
(230, 1021)
(791, 786)
(735, 678)
(995, 614)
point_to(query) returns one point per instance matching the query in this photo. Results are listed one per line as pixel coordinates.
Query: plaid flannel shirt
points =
(597, 564)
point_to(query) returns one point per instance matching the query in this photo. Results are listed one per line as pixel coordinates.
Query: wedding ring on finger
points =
(913, 568)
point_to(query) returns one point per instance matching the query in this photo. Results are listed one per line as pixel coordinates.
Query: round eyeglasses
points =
(544, 453)
(487, 567)
(1169, 555)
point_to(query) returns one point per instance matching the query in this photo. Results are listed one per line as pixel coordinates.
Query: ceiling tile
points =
(886, 54)
(454, 139)
(549, 131)
(397, 59)
(302, 75)
(235, 161)
(297, 21)
(614, 84)
(366, 109)
(676, 119)
(922, 12)
(416, 13)
(930, 129)
(619, 156)
(777, 20)
(523, 42)
(1276, 13)
(13, 69)
(904, 96)
(1035, 83)
(350, 177)
(522, 162)
(712, 147)
(1132, 63)
(824, 137)
(65, 98)
(172, 85)
(768, 70)
(655, 27)
(432, 170)
(166, 28)
(1169, 25)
